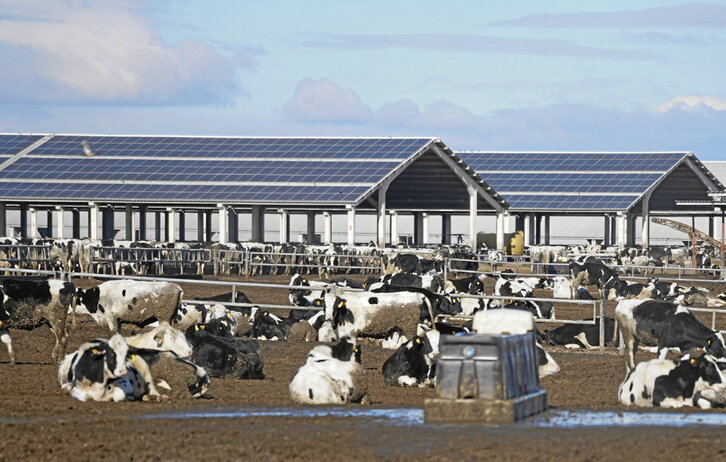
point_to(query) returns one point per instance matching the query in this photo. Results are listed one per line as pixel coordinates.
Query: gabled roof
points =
(271, 171)
(579, 181)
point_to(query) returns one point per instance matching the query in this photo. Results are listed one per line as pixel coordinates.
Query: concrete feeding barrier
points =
(490, 376)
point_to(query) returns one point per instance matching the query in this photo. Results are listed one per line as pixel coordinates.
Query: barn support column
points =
(606, 231)
(92, 221)
(622, 230)
(473, 211)
(142, 222)
(417, 228)
(381, 221)
(107, 223)
(257, 222)
(182, 226)
(49, 223)
(445, 228)
(613, 229)
(538, 228)
(328, 228)
(547, 229)
(351, 225)
(310, 228)
(200, 226)
(519, 223)
(169, 220)
(76, 224)
(631, 230)
(157, 228)
(500, 231)
(33, 223)
(284, 226)
(529, 229)
(710, 226)
(394, 227)
(165, 214)
(425, 227)
(129, 222)
(507, 226)
(59, 224)
(3, 219)
(208, 231)
(222, 213)
(645, 214)
(233, 225)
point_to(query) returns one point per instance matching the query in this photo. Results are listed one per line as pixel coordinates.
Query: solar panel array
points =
(571, 181)
(200, 169)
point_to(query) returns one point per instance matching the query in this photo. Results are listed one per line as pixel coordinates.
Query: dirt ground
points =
(38, 421)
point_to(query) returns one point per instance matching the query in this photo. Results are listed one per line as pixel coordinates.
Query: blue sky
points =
(537, 75)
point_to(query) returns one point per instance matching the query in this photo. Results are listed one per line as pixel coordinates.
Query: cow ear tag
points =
(693, 360)
(708, 342)
(132, 357)
(95, 351)
(229, 315)
(196, 327)
(340, 304)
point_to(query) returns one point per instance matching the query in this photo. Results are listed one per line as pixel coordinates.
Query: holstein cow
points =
(30, 303)
(472, 285)
(86, 372)
(430, 281)
(331, 375)
(164, 375)
(296, 327)
(223, 357)
(135, 302)
(413, 363)
(590, 270)
(669, 383)
(667, 325)
(580, 335)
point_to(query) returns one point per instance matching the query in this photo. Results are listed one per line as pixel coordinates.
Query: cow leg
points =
(61, 340)
(662, 352)
(112, 325)
(5, 338)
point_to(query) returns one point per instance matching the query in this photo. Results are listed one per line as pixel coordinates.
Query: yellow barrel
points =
(516, 243)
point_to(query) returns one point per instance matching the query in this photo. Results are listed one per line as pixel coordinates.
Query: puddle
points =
(397, 417)
(579, 419)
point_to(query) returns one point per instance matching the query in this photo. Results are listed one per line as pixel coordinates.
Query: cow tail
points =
(177, 308)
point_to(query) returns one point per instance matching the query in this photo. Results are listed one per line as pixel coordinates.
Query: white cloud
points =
(325, 101)
(691, 102)
(106, 52)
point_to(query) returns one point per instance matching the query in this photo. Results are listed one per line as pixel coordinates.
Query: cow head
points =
(221, 327)
(346, 350)
(476, 287)
(341, 313)
(100, 360)
(167, 338)
(446, 304)
(267, 325)
(87, 300)
(715, 346)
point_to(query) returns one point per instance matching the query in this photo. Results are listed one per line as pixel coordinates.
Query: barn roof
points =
(592, 181)
(270, 171)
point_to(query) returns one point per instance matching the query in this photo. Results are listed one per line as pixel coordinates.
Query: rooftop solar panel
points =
(618, 162)
(570, 203)
(13, 144)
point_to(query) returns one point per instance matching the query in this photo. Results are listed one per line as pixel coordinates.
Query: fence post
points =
(234, 293)
(602, 324)
(447, 262)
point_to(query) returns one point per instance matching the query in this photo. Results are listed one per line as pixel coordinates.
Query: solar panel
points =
(583, 181)
(13, 144)
(157, 146)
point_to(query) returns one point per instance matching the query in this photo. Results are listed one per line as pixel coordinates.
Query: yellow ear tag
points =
(202, 326)
(229, 315)
(265, 313)
(132, 357)
(95, 351)
(355, 349)
(304, 281)
(708, 342)
(196, 327)
(418, 340)
(340, 304)
(693, 360)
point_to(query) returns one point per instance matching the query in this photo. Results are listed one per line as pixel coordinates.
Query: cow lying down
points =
(221, 355)
(414, 362)
(110, 370)
(673, 383)
(331, 375)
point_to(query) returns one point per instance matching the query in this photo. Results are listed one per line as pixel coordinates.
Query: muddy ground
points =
(38, 421)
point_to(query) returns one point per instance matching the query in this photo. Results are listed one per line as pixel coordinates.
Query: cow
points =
(580, 335)
(473, 285)
(189, 314)
(625, 290)
(591, 270)
(164, 338)
(414, 362)
(331, 375)
(546, 365)
(164, 375)
(667, 325)
(223, 357)
(465, 262)
(670, 383)
(302, 297)
(430, 281)
(135, 302)
(86, 372)
(239, 297)
(29, 303)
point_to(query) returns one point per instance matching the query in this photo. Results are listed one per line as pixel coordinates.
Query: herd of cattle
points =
(405, 309)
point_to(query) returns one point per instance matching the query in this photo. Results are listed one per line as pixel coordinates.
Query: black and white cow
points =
(473, 285)
(414, 362)
(303, 297)
(580, 335)
(430, 281)
(331, 375)
(27, 303)
(125, 301)
(222, 356)
(162, 375)
(670, 383)
(667, 325)
(86, 372)
(591, 270)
